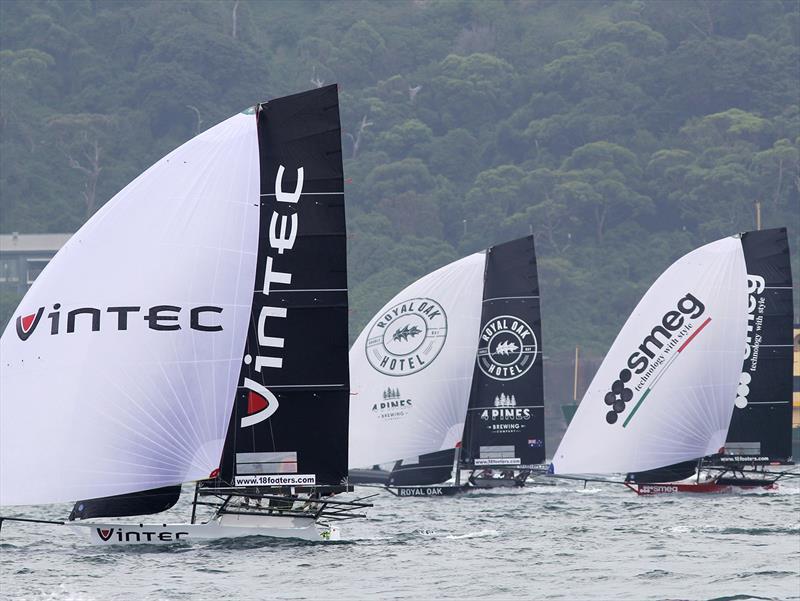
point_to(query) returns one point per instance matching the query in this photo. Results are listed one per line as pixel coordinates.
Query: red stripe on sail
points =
(695, 333)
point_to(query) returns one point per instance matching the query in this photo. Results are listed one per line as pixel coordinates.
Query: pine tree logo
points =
(406, 337)
(507, 348)
(405, 332)
(504, 400)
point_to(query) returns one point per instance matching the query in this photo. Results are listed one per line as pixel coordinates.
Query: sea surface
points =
(543, 542)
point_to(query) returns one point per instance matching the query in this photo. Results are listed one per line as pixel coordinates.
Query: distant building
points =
(24, 256)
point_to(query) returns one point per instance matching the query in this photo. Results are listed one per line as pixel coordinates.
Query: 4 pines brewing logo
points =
(407, 337)
(506, 416)
(392, 406)
(507, 348)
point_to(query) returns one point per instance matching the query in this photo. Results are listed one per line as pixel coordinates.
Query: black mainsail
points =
(290, 420)
(505, 420)
(760, 431)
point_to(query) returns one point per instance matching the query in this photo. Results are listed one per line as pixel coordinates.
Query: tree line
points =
(621, 134)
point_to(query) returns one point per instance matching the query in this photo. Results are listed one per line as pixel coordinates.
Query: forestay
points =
(411, 367)
(665, 391)
(119, 367)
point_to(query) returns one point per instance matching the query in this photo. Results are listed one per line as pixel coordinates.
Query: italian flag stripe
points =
(666, 367)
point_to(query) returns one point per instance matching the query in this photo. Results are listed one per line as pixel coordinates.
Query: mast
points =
(457, 466)
(505, 418)
(289, 424)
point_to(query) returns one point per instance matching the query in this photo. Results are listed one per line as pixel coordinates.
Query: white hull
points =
(227, 526)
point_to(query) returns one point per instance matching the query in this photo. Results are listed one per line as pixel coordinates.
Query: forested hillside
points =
(622, 134)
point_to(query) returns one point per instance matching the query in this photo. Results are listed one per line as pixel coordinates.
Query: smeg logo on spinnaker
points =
(507, 348)
(407, 337)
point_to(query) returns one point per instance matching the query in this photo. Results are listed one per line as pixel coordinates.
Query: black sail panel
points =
(138, 503)
(290, 418)
(761, 424)
(505, 419)
(431, 468)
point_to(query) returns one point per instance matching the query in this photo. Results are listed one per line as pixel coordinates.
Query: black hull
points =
(427, 491)
(496, 483)
(745, 482)
(368, 476)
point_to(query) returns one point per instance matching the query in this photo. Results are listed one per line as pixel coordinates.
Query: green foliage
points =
(621, 133)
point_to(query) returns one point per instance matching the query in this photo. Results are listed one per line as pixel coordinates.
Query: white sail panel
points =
(411, 368)
(665, 391)
(120, 365)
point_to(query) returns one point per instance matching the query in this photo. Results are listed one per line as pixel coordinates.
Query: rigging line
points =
(486, 300)
(768, 402)
(311, 194)
(506, 407)
(179, 437)
(270, 386)
(307, 290)
(143, 432)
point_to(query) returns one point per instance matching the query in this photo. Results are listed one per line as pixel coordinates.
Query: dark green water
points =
(556, 542)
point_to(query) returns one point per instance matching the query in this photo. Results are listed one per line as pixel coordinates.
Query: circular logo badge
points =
(407, 337)
(507, 348)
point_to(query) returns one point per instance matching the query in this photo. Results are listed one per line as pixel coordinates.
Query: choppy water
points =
(555, 542)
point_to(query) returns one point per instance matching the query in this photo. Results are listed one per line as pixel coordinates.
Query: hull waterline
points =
(228, 526)
(428, 491)
(715, 487)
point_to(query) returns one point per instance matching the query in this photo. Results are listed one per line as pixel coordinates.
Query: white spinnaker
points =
(95, 413)
(686, 413)
(424, 410)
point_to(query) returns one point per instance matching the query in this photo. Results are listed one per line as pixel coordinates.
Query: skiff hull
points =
(427, 491)
(228, 526)
(700, 487)
(496, 482)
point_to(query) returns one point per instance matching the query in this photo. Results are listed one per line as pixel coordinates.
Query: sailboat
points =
(194, 330)
(665, 395)
(458, 387)
(759, 433)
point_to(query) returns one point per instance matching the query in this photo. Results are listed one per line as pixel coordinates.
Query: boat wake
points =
(479, 534)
